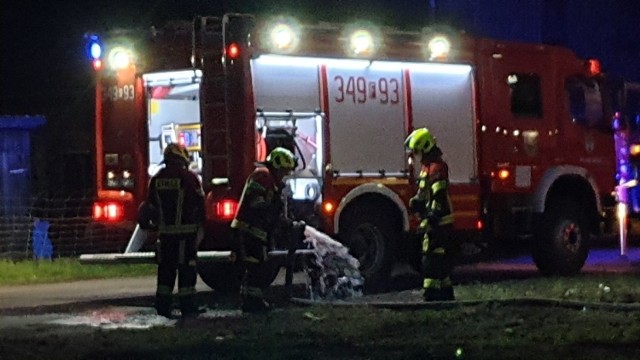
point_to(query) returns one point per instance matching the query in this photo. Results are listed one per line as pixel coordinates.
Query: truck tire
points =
(370, 240)
(224, 278)
(563, 243)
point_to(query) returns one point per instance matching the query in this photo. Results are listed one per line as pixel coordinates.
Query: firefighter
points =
(176, 194)
(259, 213)
(433, 205)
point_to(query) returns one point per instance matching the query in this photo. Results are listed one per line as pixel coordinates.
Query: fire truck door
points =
(519, 107)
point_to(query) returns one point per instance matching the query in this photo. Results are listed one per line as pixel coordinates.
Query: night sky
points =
(45, 70)
(43, 60)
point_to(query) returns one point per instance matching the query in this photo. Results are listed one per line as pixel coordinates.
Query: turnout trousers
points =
(253, 256)
(176, 256)
(438, 260)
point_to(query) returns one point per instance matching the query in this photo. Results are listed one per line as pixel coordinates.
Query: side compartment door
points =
(442, 100)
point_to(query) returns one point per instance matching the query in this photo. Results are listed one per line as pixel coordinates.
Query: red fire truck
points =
(526, 130)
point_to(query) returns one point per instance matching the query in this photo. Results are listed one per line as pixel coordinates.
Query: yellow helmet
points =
(420, 140)
(175, 151)
(281, 158)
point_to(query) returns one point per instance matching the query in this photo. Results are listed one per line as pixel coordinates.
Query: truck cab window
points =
(526, 100)
(585, 102)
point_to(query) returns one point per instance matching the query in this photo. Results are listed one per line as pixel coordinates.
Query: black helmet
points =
(175, 151)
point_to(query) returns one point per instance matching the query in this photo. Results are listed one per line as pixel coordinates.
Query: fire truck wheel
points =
(371, 242)
(563, 243)
(224, 278)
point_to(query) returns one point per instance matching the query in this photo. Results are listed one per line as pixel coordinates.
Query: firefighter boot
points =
(163, 305)
(188, 307)
(446, 293)
(253, 304)
(432, 294)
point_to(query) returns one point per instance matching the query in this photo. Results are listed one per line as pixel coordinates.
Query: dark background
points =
(45, 70)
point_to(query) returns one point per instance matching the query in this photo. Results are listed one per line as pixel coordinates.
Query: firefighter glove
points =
(432, 219)
(417, 205)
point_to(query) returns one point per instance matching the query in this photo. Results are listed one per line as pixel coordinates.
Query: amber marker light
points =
(328, 207)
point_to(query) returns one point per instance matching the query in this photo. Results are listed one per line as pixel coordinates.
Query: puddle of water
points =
(116, 318)
(132, 318)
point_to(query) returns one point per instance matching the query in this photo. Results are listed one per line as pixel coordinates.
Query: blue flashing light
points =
(95, 50)
(94, 47)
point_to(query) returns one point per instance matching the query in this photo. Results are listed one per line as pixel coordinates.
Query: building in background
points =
(15, 181)
(15, 163)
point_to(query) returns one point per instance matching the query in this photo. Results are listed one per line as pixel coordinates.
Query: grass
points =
(484, 330)
(60, 270)
(617, 288)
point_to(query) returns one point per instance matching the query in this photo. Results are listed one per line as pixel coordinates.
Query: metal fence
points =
(65, 223)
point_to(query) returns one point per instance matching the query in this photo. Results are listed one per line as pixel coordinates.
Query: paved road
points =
(599, 261)
(77, 291)
(24, 296)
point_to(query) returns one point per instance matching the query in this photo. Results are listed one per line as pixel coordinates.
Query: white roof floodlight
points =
(120, 58)
(361, 40)
(361, 43)
(439, 47)
(282, 35)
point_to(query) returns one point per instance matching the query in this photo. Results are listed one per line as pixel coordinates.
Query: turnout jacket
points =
(432, 200)
(177, 193)
(260, 205)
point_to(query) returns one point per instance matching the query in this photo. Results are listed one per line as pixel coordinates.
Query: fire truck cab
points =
(525, 128)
